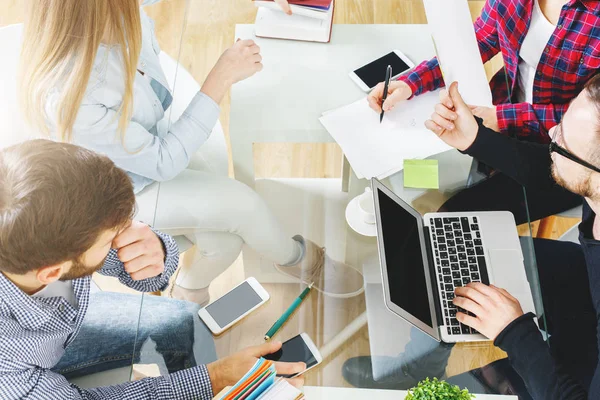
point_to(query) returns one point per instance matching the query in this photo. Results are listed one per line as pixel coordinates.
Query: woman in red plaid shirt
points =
(550, 49)
(568, 54)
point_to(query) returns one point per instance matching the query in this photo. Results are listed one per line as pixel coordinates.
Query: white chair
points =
(12, 131)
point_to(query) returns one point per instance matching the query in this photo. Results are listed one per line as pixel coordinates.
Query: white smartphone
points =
(369, 75)
(300, 348)
(227, 310)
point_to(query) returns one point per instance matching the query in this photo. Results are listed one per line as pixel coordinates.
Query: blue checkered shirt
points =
(34, 333)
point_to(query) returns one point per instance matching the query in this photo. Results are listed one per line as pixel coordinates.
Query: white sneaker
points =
(198, 296)
(332, 278)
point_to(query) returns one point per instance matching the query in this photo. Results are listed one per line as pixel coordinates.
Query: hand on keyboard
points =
(493, 308)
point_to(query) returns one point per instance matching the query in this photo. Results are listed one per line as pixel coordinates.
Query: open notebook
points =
(261, 383)
(307, 23)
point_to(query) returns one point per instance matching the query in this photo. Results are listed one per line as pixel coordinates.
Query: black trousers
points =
(569, 316)
(501, 193)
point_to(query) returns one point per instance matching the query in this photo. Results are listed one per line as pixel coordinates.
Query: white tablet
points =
(369, 75)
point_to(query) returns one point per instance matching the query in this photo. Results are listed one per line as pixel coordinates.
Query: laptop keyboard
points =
(459, 259)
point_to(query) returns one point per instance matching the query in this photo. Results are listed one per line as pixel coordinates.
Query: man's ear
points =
(50, 274)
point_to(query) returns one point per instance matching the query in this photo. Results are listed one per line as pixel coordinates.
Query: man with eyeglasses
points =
(569, 273)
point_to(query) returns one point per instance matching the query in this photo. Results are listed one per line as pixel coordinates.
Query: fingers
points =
(439, 120)
(254, 49)
(374, 104)
(505, 293)
(257, 58)
(435, 128)
(446, 100)
(468, 305)
(375, 97)
(445, 112)
(134, 250)
(245, 42)
(472, 293)
(394, 98)
(148, 272)
(285, 368)
(455, 96)
(125, 237)
(284, 6)
(297, 382)
(139, 263)
(490, 292)
(264, 349)
(469, 321)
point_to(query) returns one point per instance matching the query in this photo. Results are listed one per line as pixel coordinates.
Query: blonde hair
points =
(60, 44)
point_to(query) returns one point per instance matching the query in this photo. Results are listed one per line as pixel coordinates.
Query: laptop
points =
(424, 258)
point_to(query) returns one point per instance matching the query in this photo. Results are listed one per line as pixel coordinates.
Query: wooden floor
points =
(208, 29)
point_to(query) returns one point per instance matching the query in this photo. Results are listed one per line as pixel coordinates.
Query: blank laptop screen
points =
(404, 259)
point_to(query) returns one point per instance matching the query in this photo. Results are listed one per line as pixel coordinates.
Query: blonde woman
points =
(91, 75)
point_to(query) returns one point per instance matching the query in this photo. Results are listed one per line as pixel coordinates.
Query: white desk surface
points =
(301, 80)
(326, 393)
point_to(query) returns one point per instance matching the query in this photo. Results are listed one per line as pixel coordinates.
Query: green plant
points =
(437, 390)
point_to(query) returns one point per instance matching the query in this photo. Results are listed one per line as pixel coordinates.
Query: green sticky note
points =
(421, 174)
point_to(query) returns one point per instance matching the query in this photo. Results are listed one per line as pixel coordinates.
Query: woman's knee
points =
(218, 245)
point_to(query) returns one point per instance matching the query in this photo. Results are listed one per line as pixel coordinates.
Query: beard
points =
(80, 270)
(582, 187)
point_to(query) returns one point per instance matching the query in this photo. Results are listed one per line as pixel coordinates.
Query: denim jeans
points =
(170, 334)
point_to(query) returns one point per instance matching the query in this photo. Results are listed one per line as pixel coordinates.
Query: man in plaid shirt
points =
(65, 212)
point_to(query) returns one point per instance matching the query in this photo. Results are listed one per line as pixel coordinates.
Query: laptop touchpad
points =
(508, 271)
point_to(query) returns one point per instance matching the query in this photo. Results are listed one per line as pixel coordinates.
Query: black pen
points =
(388, 76)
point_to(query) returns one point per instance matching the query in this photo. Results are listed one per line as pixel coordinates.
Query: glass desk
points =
(359, 326)
(307, 79)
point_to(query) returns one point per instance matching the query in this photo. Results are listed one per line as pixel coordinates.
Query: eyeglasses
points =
(567, 154)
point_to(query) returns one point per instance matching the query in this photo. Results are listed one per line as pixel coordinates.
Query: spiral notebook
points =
(261, 383)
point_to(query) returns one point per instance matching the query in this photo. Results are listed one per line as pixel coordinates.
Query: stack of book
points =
(311, 20)
(261, 383)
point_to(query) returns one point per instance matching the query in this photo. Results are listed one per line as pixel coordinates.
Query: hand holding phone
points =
(300, 348)
(227, 371)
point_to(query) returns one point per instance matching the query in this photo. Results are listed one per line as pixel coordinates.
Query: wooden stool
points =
(546, 227)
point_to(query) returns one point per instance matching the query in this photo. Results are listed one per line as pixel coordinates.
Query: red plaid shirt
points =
(570, 58)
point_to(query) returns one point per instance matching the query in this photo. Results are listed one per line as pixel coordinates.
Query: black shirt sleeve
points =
(527, 163)
(530, 356)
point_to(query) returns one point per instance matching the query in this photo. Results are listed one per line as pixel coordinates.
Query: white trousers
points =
(217, 214)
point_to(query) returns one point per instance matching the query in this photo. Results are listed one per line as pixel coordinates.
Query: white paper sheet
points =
(456, 46)
(378, 150)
